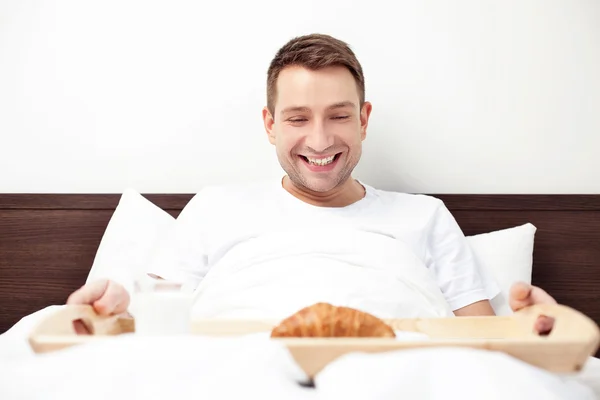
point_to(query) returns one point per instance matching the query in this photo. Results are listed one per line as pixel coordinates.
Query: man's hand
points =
(107, 297)
(521, 295)
(524, 295)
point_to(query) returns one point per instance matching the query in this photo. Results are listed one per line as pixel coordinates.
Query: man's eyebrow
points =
(341, 104)
(295, 109)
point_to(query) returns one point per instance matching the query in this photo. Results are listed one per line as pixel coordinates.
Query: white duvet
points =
(273, 275)
(253, 367)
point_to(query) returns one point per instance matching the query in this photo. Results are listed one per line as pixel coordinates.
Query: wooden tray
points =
(571, 342)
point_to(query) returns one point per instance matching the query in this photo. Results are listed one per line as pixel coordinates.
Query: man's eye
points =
(341, 117)
(297, 119)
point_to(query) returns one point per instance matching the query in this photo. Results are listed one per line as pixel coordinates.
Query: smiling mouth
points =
(320, 161)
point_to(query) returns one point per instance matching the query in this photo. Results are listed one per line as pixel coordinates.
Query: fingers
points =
(525, 295)
(114, 301)
(540, 296)
(543, 325)
(520, 296)
(89, 293)
(81, 328)
(107, 297)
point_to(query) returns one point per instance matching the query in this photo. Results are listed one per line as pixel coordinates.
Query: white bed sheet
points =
(253, 367)
(445, 373)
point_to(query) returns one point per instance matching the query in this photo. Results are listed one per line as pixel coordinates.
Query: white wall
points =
(469, 96)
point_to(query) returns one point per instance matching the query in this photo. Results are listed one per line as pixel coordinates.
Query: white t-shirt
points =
(255, 250)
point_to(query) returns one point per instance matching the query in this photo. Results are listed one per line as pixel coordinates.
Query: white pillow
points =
(508, 255)
(135, 229)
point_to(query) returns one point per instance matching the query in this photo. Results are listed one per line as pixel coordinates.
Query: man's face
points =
(317, 126)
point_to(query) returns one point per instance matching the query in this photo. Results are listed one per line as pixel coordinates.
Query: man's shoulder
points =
(406, 199)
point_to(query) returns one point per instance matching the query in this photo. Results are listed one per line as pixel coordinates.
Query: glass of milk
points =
(161, 308)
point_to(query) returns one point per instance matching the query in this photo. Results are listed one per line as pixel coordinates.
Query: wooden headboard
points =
(48, 242)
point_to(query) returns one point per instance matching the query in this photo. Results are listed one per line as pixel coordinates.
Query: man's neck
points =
(348, 193)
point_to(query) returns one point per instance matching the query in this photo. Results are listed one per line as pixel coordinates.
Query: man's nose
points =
(318, 139)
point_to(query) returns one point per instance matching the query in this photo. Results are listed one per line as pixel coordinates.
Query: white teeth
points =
(320, 161)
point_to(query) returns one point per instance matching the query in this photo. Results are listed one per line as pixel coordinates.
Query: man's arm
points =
(466, 286)
(479, 308)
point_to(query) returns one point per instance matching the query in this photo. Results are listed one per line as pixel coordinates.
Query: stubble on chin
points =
(301, 182)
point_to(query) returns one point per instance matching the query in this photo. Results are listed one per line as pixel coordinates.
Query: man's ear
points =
(269, 121)
(365, 113)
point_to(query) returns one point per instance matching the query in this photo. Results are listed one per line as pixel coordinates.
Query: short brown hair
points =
(313, 52)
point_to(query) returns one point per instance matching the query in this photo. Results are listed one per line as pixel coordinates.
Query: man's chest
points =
(320, 229)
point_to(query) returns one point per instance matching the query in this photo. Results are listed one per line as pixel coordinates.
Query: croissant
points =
(326, 320)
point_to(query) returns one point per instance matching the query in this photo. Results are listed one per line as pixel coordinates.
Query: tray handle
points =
(569, 324)
(59, 331)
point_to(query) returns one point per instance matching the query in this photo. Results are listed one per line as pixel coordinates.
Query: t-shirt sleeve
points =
(460, 278)
(181, 256)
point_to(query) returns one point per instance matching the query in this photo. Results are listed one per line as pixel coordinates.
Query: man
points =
(318, 234)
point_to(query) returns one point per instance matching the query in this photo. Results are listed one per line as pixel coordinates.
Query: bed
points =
(48, 242)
